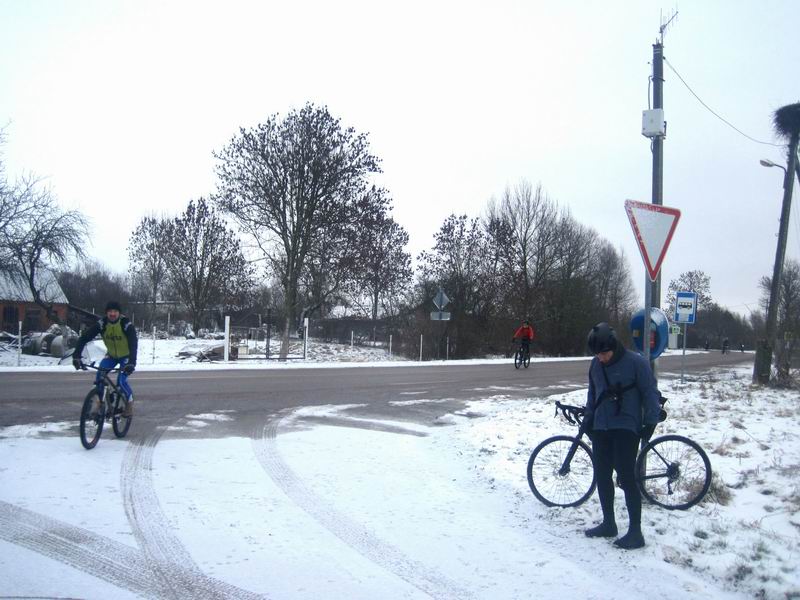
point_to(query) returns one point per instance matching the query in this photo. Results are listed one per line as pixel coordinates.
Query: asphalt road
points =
(163, 397)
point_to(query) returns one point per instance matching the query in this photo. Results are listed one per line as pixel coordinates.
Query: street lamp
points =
(765, 162)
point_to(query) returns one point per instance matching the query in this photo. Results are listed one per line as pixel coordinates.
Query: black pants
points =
(616, 450)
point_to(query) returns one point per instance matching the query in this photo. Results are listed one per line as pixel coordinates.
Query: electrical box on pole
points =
(653, 123)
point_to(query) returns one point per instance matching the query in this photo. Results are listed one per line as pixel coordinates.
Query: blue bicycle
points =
(105, 402)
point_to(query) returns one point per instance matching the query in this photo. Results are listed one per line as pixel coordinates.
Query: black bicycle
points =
(98, 408)
(672, 471)
(522, 357)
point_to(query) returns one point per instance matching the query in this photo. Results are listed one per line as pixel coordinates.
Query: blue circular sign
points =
(659, 331)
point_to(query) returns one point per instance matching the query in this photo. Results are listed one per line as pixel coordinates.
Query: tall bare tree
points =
(147, 251)
(285, 181)
(204, 260)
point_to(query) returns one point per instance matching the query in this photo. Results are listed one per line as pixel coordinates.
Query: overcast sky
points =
(121, 104)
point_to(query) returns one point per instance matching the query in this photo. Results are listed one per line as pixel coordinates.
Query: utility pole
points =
(652, 293)
(763, 362)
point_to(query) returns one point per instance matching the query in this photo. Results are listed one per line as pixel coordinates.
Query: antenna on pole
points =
(664, 24)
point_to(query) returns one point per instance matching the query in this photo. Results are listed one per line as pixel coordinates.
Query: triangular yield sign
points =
(653, 226)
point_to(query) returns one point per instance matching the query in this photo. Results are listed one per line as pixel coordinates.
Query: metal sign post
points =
(686, 313)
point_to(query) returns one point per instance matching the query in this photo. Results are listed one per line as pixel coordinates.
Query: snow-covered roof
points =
(13, 287)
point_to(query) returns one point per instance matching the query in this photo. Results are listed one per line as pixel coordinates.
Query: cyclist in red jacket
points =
(525, 335)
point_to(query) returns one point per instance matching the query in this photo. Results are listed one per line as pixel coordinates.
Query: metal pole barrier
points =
(351, 339)
(390, 345)
(227, 338)
(19, 344)
(154, 344)
(420, 347)
(447, 349)
(683, 358)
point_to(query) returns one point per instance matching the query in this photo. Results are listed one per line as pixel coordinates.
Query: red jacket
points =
(524, 331)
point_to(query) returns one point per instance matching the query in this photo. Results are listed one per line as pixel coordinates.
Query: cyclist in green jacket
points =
(119, 336)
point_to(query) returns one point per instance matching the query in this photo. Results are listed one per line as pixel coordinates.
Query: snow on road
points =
(326, 502)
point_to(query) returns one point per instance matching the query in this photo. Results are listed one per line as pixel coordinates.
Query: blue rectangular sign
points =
(686, 307)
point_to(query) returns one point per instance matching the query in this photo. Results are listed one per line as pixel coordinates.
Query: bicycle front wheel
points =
(518, 359)
(673, 472)
(119, 422)
(527, 360)
(556, 482)
(92, 420)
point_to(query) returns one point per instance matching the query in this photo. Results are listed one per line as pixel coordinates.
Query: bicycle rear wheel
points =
(673, 472)
(91, 420)
(518, 359)
(119, 422)
(555, 484)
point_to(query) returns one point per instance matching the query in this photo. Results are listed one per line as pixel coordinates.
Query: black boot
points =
(605, 529)
(631, 540)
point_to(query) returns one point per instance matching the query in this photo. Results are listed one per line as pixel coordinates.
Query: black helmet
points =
(113, 305)
(601, 339)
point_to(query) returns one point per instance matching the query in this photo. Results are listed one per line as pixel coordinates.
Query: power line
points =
(728, 123)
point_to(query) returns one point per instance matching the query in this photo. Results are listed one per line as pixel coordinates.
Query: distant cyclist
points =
(525, 335)
(119, 336)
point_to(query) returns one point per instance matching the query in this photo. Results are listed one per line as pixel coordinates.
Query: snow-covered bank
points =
(328, 502)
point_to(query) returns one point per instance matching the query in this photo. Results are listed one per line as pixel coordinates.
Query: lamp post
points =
(762, 366)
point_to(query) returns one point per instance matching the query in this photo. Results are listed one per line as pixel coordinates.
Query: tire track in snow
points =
(350, 532)
(168, 561)
(101, 557)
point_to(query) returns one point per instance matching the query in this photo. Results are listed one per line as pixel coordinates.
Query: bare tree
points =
(531, 222)
(147, 249)
(204, 260)
(690, 281)
(788, 327)
(287, 180)
(40, 237)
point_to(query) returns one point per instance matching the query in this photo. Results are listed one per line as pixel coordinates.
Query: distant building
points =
(16, 302)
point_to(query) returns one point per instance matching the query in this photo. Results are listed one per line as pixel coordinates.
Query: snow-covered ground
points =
(327, 502)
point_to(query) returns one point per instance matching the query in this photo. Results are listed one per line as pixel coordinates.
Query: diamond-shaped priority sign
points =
(653, 226)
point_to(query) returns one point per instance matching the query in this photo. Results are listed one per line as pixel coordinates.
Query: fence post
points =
(154, 344)
(227, 337)
(305, 338)
(447, 349)
(390, 345)
(351, 339)
(420, 347)
(169, 316)
(19, 344)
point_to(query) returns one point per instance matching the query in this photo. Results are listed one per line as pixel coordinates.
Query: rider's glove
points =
(647, 432)
(76, 362)
(587, 423)
(129, 368)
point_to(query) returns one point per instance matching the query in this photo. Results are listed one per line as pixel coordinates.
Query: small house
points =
(16, 301)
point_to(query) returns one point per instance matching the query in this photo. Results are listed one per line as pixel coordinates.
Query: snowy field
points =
(326, 502)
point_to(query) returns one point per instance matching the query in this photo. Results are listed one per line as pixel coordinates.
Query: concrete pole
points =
(763, 362)
(658, 190)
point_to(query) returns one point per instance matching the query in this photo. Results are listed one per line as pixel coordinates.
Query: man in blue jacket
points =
(622, 407)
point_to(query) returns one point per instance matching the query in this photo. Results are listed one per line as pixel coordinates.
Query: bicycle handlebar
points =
(85, 367)
(573, 414)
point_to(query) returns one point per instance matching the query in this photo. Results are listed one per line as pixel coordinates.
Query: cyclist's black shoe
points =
(630, 541)
(602, 530)
(128, 412)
